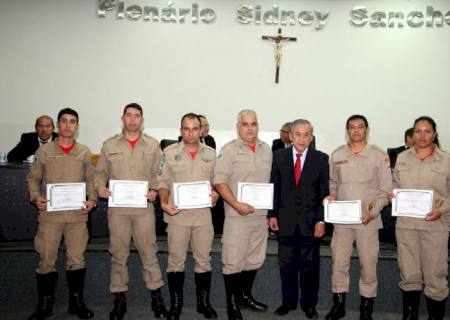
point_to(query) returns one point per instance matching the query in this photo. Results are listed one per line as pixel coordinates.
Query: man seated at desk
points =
(29, 142)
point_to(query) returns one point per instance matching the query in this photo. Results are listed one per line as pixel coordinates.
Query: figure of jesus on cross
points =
(279, 40)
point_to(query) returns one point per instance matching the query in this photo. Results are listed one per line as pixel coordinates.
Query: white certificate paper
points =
(128, 194)
(190, 195)
(343, 212)
(65, 196)
(258, 195)
(412, 203)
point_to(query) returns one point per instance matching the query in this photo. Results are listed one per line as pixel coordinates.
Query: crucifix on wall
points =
(279, 40)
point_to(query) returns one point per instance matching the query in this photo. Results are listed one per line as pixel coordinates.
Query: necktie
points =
(298, 168)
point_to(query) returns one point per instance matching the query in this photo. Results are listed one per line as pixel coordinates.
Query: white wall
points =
(56, 54)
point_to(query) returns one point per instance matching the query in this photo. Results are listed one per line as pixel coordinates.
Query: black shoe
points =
(120, 306)
(75, 282)
(338, 309)
(158, 304)
(411, 301)
(46, 284)
(203, 285)
(366, 308)
(233, 291)
(436, 309)
(247, 301)
(176, 284)
(284, 310)
(311, 313)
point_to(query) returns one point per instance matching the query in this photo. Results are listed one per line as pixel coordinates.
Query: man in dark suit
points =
(29, 142)
(284, 140)
(300, 177)
(394, 152)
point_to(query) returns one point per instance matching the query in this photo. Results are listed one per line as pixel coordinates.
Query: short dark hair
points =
(190, 115)
(409, 133)
(133, 105)
(68, 111)
(41, 118)
(433, 125)
(357, 117)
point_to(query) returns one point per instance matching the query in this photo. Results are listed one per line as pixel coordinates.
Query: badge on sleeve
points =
(177, 157)
(161, 163)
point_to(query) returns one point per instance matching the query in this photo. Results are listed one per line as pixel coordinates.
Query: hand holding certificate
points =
(128, 194)
(412, 203)
(190, 195)
(65, 196)
(343, 212)
(258, 195)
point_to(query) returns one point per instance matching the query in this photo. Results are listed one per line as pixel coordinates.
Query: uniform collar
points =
(75, 150)
(182, 146)
(364, 152)
(438, 153)
(242, 144)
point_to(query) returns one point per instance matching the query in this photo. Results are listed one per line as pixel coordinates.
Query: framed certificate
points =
(412, 203)
(65, 196)
(258, 195)
(190, 195)
(128, 194)
(343, 212)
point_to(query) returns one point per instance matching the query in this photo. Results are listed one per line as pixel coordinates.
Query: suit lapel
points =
(289, 166)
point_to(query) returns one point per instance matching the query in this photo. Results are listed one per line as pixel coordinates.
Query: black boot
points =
(75, 281)
(46, 284)
(436, 309)
(411, 301)
(366, 308)
(338, 309)
(203, 286)
(247, 301)
(233, 292)
(158, 304)
(176, 283)
(120, 306)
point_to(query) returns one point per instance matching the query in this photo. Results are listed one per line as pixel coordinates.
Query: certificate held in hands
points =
(128, 194)
(65, 196)
(412, 203)
(258, 195)
(343, 212)
(191, 195)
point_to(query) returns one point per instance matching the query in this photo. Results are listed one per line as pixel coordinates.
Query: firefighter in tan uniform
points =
(188, 161)
(131, 155)
(62, 161)
(422, 243)
(358, 171)
(244, 240)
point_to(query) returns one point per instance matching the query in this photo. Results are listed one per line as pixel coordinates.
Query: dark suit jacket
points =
(277, 144)
(26, 147)
(299, 205)
(209, 141)
(393, 154)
